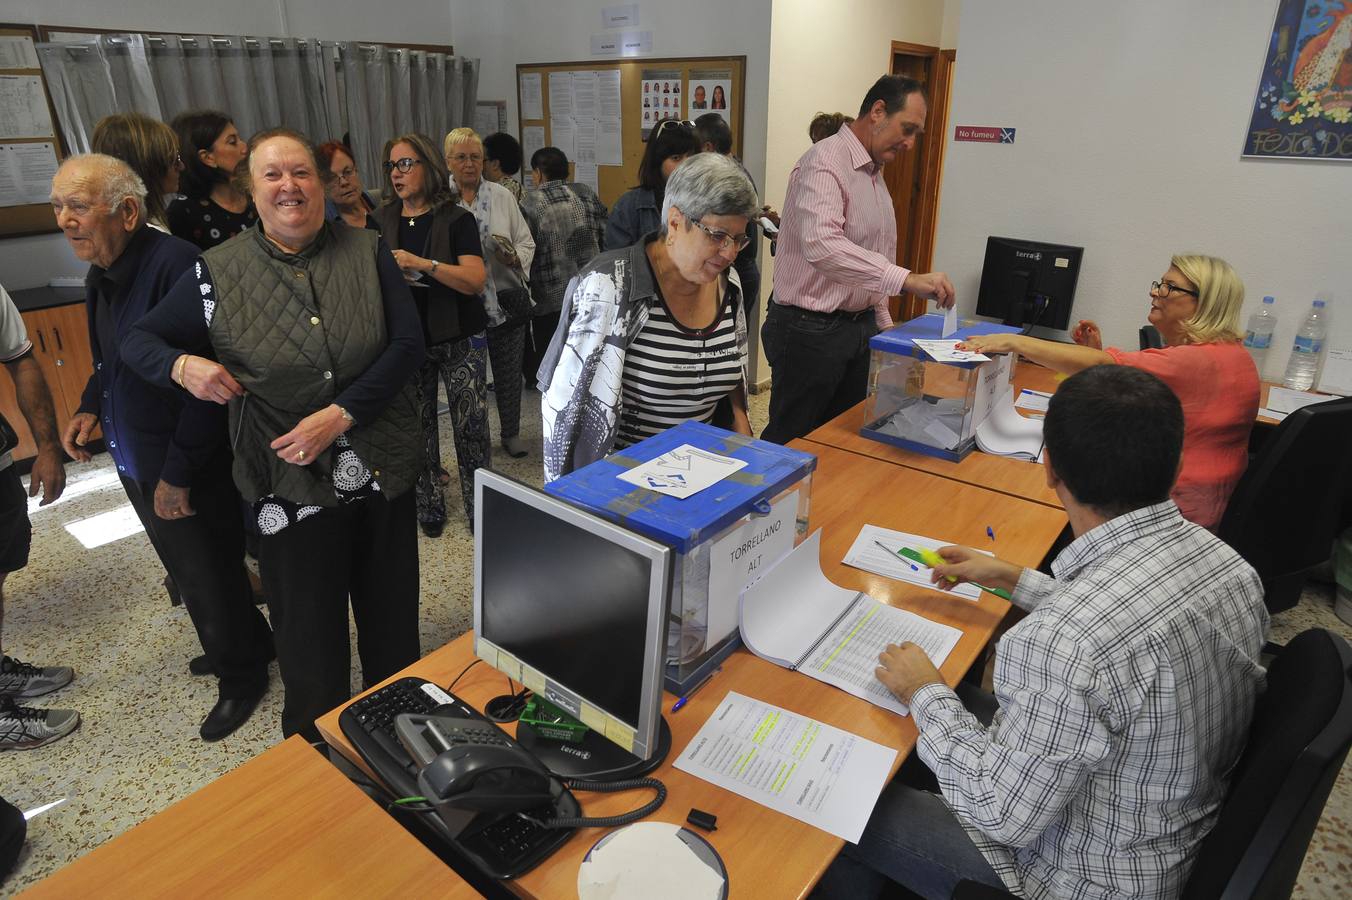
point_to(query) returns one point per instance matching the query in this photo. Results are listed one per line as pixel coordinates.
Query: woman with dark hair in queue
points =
(347, 201)
(639, 211)
(211, 210)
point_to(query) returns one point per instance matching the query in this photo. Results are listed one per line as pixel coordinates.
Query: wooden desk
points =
(767, 853)
(285, 823)
(1014, 477)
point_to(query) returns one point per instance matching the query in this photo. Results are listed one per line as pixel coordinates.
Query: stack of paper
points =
(1006, 433)
(935, 424)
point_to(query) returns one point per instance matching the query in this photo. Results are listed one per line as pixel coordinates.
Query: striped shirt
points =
(1125, 701)
(838, 244)
(674, 374)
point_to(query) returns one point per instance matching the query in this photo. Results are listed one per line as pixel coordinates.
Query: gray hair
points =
(114, 180)
(709, 184)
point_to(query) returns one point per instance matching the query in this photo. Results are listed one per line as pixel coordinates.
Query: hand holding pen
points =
(953, 565)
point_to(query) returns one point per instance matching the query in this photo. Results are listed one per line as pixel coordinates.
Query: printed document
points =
(865, 554)
(947, 351)
(682, 472)
(797, 618)
(815, 773)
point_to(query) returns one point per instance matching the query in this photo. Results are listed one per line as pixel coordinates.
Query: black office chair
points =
(1302, 729)
(1286, 509)
(1150, 338)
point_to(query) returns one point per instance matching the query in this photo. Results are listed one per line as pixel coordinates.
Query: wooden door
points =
(914, 177)
(68, 327)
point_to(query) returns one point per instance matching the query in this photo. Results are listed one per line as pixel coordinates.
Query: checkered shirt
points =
(1125, 700)
(569, 224)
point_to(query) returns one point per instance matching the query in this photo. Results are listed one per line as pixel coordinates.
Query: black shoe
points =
(200, 665)
(432, 529)
(228, 714)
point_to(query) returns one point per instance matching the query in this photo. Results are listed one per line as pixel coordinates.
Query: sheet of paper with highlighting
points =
(824, 776)
(865, 554)
(682, 472)
(945, 351)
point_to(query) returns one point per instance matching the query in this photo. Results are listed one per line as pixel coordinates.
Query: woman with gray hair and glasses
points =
(653, 334)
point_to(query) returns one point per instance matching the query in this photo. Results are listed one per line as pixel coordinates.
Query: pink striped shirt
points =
(838, 246)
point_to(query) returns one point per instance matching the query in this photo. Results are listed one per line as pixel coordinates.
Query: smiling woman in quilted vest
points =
(307, 330)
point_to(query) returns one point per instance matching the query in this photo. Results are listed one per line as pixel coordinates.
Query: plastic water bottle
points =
(1309, 345)
(1258, 336)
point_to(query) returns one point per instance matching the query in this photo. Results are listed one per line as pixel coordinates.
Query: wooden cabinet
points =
(60, 336)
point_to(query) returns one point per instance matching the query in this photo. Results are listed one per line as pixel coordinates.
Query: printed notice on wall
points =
(16, 52)
(23, 108)
(661, 98)
(532, 99)
(26, 172)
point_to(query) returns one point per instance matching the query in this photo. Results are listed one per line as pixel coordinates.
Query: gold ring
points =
(300, 454)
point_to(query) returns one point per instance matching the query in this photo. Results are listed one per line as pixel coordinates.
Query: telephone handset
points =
(470, 764)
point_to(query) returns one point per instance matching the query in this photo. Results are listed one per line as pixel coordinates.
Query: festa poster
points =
(1303, 107)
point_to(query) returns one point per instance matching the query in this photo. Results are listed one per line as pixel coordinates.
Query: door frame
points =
(937, 90)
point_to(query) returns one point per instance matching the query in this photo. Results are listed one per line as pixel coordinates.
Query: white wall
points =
(826, 63)
(31, 261)
(1131, 119)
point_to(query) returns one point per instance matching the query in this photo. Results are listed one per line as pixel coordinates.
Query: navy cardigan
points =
(152, 433)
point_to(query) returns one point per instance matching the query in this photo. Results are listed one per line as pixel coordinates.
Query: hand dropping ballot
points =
(682, 472)
(947, 351)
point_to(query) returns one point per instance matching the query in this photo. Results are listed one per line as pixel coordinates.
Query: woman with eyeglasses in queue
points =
(347, 201)
(1195, 305)
(212, 210)
(509, 249)
(150, 147)
(653, 335)
(436, 244)
(638, 211)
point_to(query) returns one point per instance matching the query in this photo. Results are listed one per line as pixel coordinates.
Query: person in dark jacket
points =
(639, 211)
(170, 450)
(315, 341)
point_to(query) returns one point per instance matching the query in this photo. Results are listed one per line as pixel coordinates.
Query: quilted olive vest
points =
(295, 330)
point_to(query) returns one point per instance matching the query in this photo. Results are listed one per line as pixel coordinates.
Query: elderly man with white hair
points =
(170, 449)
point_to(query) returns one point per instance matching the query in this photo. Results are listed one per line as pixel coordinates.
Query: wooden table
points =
(286, 823)
(1015, 477)
(767, 853)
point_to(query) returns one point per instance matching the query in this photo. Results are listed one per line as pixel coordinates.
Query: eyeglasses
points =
(722, 240)
(1168, 287)
(403, 165)
(349, 172)
(462, 158)
(672, 123)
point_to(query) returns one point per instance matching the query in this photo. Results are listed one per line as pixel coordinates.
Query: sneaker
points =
(19, 679)
(23, 728)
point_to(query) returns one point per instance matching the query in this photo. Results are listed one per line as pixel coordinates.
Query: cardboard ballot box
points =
(925, 405)
(724, 536)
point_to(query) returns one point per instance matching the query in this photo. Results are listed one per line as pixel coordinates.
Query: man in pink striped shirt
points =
(836, 264)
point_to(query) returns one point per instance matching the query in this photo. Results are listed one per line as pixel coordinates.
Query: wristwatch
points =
(347, 415)
(434, 267)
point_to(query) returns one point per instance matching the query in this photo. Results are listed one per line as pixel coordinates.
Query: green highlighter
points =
(931, 559)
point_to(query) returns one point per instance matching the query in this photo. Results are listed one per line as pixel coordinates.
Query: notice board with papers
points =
(30, 149)
(595, 111)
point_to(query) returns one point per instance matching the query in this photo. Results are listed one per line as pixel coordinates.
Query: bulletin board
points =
(30, 148)
(615, 180)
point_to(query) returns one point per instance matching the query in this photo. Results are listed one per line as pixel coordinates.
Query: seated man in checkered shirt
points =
(1121, 702)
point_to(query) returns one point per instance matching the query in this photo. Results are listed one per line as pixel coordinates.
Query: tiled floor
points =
(104, 611)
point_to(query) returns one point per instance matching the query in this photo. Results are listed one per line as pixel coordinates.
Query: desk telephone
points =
(483, 794)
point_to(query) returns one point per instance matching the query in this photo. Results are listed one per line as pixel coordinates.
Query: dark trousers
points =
(542, 328)
(364, 551)
(818, 367)
(506, 347)
(204, 555)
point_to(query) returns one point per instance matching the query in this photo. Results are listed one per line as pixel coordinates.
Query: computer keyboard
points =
(503, 847)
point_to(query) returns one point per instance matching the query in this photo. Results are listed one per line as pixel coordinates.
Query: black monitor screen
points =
(1028, 282)
(565, 601)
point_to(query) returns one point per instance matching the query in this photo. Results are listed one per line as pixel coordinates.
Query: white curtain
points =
(324, 90)
(388, 91)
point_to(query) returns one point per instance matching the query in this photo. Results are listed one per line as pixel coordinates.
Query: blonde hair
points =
(147, 145)
(460, 136)
(1220, 295)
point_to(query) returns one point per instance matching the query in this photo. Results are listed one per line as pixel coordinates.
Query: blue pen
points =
(990, 532)
(703, 681)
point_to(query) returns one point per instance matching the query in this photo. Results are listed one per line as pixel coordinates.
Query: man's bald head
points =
(98, 202)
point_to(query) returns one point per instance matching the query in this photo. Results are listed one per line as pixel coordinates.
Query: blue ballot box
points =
(724, 536)
(928, 406)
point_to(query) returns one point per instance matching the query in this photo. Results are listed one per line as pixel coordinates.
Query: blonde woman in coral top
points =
(1195, 306)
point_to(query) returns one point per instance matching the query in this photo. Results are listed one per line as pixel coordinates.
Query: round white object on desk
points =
(653, 860)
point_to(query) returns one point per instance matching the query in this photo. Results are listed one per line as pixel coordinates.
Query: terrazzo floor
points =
(104, 611)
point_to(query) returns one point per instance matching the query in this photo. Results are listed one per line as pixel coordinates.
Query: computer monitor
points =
(1028, 283)
(575, 608)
